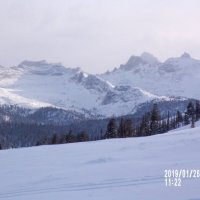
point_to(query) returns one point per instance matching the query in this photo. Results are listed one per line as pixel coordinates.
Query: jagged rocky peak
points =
(91, 81)
(149, 58)
(133, 62)
(40, 63)
(126, 93)
(184, 59)
(185, 55)
(80, 76)
(43, 67)
(136, 61)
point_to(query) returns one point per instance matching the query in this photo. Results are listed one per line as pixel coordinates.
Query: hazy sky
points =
(97, 35)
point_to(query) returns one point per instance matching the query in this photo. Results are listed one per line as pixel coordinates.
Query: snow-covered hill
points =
(41, 84)
(176, 76)
(117, 169)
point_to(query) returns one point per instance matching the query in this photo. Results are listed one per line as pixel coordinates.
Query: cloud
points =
(96, 35)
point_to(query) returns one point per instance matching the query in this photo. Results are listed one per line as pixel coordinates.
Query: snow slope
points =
(114, 169)
(176, 76)
(41, 84)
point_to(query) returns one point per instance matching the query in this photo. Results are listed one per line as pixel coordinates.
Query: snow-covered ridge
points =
(9, 96)
(41, 84)
(178, 76)
(44, 68)
(92, 82)
(143, 78)
(135, 62)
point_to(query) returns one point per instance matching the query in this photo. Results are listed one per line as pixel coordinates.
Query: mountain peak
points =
(45, 68)
(185, 55)
(32, 63)
(40, 63)
(133, 61)
(136, 61)
(149, 58)
(133, 58)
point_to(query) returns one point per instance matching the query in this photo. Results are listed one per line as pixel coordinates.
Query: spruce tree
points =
(193, 121)
(186, 119)
(82, 137)
(179, 118)
(101, 134)
(173, 123)
(190, 109)
(128, 128)
(54, 139)
(155, 118)
(111, 131)
(70, 138)
(197, 111)
(122, 129)
(168, 121)
(164, 126)
(145, 125)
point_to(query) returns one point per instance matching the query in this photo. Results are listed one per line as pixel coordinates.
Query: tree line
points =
(151, 123)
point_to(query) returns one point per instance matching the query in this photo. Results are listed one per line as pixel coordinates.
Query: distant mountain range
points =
(175, 77)
(34, 85)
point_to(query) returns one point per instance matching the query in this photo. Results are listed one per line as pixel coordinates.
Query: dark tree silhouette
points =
(111, 131)
(155, 118)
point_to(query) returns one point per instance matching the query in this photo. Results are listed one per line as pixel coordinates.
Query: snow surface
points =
(116, 169)
(9, 96)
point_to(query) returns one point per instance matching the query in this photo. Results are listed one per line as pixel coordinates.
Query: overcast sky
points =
(97, 35)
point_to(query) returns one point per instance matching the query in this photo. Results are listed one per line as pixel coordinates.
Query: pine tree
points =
(193, 121)
(197, 110)
(111, 131)
(164, 126)
(62, 139)
(179, 118)
(155, 118)
(145, 125)
(190, 109)
(121, 130)
(54, 139)
(101, 134)
(82, 137)
(186, 119)
(70, 138)
(168, 121)
(173, 123)
(128, 128)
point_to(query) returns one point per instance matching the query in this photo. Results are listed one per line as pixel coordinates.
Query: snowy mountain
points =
(174, 77)
(36, 84)
(118, 169)
(41, 84)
